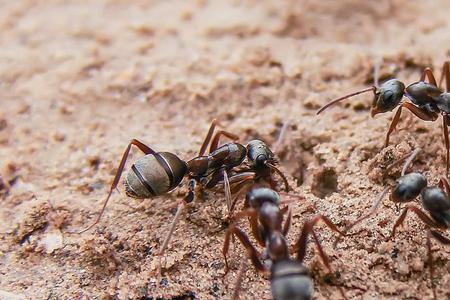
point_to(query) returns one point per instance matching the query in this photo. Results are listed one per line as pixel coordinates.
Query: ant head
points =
(387, 96)
(259, 153)
(257, 196)
(290, 280)
(408, 187)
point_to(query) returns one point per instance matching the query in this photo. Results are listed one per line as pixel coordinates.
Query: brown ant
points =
(158, 173)
(435, 200)
(289, 278)
(427, 101)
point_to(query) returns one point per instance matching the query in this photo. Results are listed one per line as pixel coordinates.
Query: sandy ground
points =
(79, 80)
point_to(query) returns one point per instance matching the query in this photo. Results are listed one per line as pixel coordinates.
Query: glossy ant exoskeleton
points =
(435, 200)
(289, 277)
(158, 173)
(428, 100)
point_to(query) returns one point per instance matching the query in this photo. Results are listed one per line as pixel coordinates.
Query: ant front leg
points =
(141, 146)
(252, 253)
(308, 229)
(252, 216)
(415, 110)
(427, 220)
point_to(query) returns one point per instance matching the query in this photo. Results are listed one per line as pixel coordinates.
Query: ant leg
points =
(215, 141)
(443, 184)
(208, 136)
(241, 180)
(175, 220)
(427, 220)
(252, 253)
(447, 143)
(393, 124)
(308, 228)
(430, 263)
(141, 146)
(241, 273)
(415, 110)
(428, 73)
(288, 222)
(300, 246)
(252, 215)
(445, 74)
(226, 186)
(287, 187)
(326, 260)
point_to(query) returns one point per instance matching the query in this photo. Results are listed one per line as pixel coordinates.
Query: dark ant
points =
(435, 200)
(289, 278)
(427, 101)
(158, 173)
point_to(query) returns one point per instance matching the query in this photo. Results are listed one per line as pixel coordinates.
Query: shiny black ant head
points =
(387, 96)
(408, 187)
(290, 280)
(258, 196)
(436, 201)
(258, 153)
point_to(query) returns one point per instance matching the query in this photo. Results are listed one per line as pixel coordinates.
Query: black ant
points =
(427, 101)
(435, 200)
(289, 278)
(158, 173)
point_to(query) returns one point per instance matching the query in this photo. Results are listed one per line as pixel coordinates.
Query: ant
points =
(158, 173)
(435, 200)
(427, 101)
(289, 278)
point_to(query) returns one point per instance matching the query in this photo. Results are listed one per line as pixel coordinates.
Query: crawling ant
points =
(435, 200)
(289, 278)
(158, 173)
(427, 101)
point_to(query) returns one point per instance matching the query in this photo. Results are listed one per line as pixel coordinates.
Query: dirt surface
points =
(79, 80)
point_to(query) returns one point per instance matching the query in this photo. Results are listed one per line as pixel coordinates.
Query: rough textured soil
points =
(79, 80)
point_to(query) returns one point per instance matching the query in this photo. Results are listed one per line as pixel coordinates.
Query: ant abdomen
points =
(408, 187)
(290, 280)
(155, 174)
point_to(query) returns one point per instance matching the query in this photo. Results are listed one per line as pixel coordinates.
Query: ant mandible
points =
(428, 100)
(289, 278)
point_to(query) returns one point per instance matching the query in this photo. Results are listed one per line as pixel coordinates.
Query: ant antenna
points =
(373, 88)
(286, 184)
(410, 159)
(376, 71)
